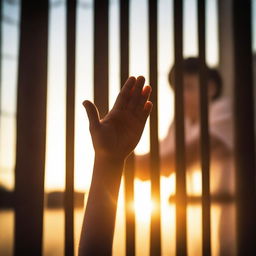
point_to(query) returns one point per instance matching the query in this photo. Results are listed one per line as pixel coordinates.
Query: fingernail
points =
(146, 91)
(85, 103)
(141, 77)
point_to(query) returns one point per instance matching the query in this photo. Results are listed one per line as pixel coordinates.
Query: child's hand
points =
(118, 133)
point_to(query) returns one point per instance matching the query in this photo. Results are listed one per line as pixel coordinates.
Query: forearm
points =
(99, 220)
(142, 165)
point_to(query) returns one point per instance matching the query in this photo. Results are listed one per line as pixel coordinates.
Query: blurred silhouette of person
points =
(114, 138)
(221, 142)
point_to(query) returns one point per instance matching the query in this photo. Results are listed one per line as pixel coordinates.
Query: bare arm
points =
(99, 220)
(114, 138)
(218, 149)
(142, 165)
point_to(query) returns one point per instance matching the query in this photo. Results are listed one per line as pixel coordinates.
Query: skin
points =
(114, 138)
(191, 96)
(191, 109)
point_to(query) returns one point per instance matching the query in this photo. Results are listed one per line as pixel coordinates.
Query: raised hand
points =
(117, 134)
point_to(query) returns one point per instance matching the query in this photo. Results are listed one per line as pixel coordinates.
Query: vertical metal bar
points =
(129, 211)
(70, 126)
(244, 129)
(129, 168)
(204, 132)
(31, 128)
(155, 228)
(226, 51)
(101, 77)
(181, 220)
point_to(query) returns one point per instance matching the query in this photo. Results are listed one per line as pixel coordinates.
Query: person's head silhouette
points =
(190, 67)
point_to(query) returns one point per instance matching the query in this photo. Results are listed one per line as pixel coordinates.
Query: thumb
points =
(92, 113)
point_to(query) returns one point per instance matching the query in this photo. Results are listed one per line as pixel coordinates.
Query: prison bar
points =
(129, 167)
(101, 56)
(31, 128)
(129, 205)
(180, 161)
(204, 132)
(244, 129)
(31, 124)
(70, 125)
(216, 198)
(155, 225)
(225, 34)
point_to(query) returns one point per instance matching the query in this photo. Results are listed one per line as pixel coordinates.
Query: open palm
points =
(118, 133)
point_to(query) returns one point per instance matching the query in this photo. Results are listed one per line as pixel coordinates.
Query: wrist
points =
(108, 167)
(109, 159)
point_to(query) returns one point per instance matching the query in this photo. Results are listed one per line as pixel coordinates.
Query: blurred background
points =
(54, 184)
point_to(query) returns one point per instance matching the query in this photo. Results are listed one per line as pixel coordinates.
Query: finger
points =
(92, 113)
(146, 111)
(124, 95)
(145, 94)
(136, 93)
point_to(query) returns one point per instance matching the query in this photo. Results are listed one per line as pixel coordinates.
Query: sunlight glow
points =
(194, 182)
(84, 153)
(143, 204)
